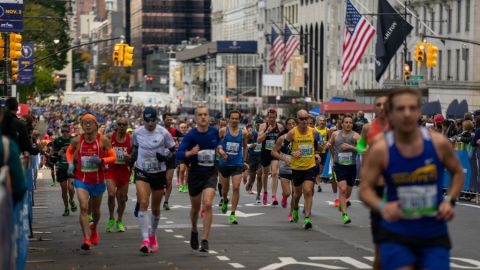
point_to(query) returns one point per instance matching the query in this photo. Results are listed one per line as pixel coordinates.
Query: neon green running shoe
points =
(346, 219)
(120, 227)
(295, 215)
(307, 223)
(110, 224)
(224, 206)
(233, 219)
(185, 188)
(73, 206)
(90, 217)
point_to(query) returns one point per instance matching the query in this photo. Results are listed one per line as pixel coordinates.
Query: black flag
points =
(391, 32)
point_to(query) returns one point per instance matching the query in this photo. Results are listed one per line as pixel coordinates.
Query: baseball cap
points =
(150, 114)
(438, 118)
(272, 110)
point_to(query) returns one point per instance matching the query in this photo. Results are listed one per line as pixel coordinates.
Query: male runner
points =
(60, 146)
(254, 167)
(171, 163)
(182, 174)
(344, 151)
(304, 144)
(414, 212)
(152, 146)
(233, 153)
(322, 129)
(198, 150)
(92, 152)
(267, 135)
(118, 174)
(221, 123)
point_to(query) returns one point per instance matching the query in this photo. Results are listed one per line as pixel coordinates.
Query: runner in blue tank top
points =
(233, 152)
(414, 211)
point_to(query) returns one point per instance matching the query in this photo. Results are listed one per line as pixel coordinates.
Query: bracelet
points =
(381, 206)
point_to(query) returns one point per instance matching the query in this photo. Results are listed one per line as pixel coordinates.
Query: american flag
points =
(358, 34)
(292, 45)
(277, 49)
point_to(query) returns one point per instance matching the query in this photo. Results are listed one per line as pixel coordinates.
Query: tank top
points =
(375, 129)
(254, 151)
(87, 171)
(323, 132)
(271, 137)
(417, 183)
(344, 157)
(233, 146)
(285, 151)
(121, 149)
(305, 144)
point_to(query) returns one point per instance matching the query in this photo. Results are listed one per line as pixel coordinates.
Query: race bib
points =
(269, 144)
(258, 148)
(306, 151)
(150, 165)
(345, 158)
(206, 158)
(89, 164)
(418, 201)
(232, 148)
(120, 155)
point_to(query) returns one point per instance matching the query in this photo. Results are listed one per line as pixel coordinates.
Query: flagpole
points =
(415, 16)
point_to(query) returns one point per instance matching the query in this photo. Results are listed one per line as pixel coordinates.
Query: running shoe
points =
(307, 223)
(165, 206)
(220, 203)
(194, 240)
(66, 212)
(248, 187)
(185, 188)
(290, 217)
(336, 203)
(257, 200)
(265, 198)
(284, 202)
(348, 203)
(346, 219)
(153, 243)
(295, 215)
(177, 183)
(73, 205)
(86, 244)
(94, 236)
(250, 191)
(319, 188)
(204, 246)
(110, 224)
(274, 200)
(144, 248)
(137, 207)
(120, 227)
(233, 219)
(202, 213)
(225, 206)
(244, 181)
(53, 184)
(90, 217)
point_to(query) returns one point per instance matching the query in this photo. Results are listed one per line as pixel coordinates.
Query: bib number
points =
(345, 158)
(120, 155)
(151, 165)
(306, 151)
(418, 201)
(206, 158)
(232, 148)
(269, 144)
(89, 164)
(258, 148)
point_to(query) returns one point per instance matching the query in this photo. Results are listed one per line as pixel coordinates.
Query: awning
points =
(345, 107)
(432, 108)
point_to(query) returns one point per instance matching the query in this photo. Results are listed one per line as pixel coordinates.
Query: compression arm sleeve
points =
(70, 153)
(361, 145)
(110, 157)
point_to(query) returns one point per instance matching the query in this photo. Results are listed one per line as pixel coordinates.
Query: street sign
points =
(25, 74)
(11, 16)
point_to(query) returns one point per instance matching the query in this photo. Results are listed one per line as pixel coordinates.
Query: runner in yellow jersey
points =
(304, 144)
(325, 132)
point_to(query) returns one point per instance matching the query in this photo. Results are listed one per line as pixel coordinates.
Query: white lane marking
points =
(212, 252)
(163, 218)
(474, 264)
(241, 214)
(179, 236)
(348, 260)
(469, 205)
(169, 222)
(237, 265)
(369, 258)
(168, 230)
(285, 261)
(223, 258)
(187, 242)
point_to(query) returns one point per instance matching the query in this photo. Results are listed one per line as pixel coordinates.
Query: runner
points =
(304, 144)
(254, 167)
(233, 153)
(345, 157)
(171, 163)
(152, 146)
(322, 129)
(118, 174)
(91, 152)
(283, 152)
(60, 146)
(413, 232)
(198, 150)
(221, 123)
(267, 135)
(182, 173)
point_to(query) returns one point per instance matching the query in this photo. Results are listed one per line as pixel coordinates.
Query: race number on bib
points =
(206, 158)
(258, 148)
(345, 158)
(232, 148)
(418, 201)
(120, 155)
(151, 165)
(269, 144)
(306, 151)
(89, 164)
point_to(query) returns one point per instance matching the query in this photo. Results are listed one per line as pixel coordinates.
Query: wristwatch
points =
(450, 199)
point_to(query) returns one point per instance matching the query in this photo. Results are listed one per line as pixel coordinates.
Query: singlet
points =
(375, 129)
(233, 147)
(305, 144)
(208, 142)
(324, 133)
(417, 183)
(271, 137)
(121, 149)
(60, 144)
(150, 143)
(344, 157)
(285, 151)
(258, 146)
(86, 170)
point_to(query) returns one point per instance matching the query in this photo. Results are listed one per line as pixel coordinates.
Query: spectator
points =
(360, 120)
(14, 128)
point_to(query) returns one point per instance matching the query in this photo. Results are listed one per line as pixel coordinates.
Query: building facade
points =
(234, 19)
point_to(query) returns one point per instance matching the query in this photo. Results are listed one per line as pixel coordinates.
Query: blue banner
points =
(11, 16)
(464, 157)
(234, 46)
(25, 64)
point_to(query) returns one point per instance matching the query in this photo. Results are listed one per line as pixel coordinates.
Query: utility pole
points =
(7, 65)
(405, 46)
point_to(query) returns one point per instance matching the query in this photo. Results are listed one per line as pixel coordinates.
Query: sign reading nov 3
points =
(11, 16)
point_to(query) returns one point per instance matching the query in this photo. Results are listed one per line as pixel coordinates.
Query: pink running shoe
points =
(144, 248)
(336, 203)
(290, 218)
(284, 202)
(265, 198)
(153, 243)
(202, 214)
(94, 237)
(177, 182)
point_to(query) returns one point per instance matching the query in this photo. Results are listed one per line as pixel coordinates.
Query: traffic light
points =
(420, 53)
(14, 69)
(15, 46)
(407, 69)
(2, 48)
(118, 54)
(432, 55)
(128, 56)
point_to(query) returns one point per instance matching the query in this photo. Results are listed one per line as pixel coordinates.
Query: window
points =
(440, 30)
(467, 15)
(449, 65)
(432, 17)
(417, 24)
(466, 56)
(440, 56)
(457, 66)
(459, 14)
(424, 20)
(449, 20)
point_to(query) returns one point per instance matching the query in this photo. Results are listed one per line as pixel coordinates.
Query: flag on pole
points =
(277, 49)
(358, 34)
(292, 45)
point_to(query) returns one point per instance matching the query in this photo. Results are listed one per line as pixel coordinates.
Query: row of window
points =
(444, 20)
(306, 2)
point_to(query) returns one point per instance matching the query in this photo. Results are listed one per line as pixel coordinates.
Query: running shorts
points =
(94, 190)
(266, 158)
(198, 181)
(229, 171)
(157, 180)
(300, 176)
(286, 176)
(119, 175)
(254, 163)
(345, 173)
(395, 255)
(62, 175)
(171, 163)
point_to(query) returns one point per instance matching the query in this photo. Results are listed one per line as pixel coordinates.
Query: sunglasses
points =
(378, 104)
(122, 124)
(303, 118)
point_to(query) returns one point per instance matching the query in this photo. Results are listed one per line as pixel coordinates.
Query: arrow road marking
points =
(241, 214)
(285, 261)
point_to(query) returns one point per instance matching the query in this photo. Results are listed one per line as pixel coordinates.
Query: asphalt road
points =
(263, 239)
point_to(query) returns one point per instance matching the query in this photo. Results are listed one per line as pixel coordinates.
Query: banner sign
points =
(232, 76)
(11, 16)
(25, 64)
(22, 110)
(298, 71)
